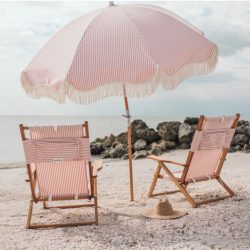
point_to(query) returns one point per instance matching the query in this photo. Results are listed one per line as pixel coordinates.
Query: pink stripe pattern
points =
(62, 180)
(57, 149)
(141, 46)
(62, 131)
(207, 145)
(59, 154)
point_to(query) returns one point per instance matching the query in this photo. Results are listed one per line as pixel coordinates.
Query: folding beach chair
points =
(205, 159)
(57, 159)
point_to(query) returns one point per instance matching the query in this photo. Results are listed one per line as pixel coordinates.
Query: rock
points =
(140, 154)
(185, 133)
(238, 147)
(174, 125)
(140, 144)
(232, 150)
(168, 130)
(240, 130)
(148, 134)
(244, 123)
(100, 139)
(170, 144)
(246, 148)
(155, 149)
(115, 144)
(118, 151)
(191, 120)
(123, 138)
(247, 130)
(240, 139)
(185, 146)
(164, 145)
(167, 133)
(105, 154)
(138, 124)
(96, 148)
(125, 157)
(109, 141)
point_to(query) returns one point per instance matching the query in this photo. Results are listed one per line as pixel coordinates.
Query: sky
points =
(26, 26)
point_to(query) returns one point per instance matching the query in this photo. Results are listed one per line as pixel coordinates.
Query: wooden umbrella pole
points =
(128, 116)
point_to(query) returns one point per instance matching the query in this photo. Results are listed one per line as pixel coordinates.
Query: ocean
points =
(11, 149)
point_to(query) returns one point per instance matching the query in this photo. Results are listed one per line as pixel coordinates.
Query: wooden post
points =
(129, 145)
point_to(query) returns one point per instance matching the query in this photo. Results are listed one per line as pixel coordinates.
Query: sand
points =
(220, 225)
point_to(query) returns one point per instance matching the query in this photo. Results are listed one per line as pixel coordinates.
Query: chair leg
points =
(29, 214)
(187, 195)
(45, 205)
(157, 172)
(226, 187)
(96, 210)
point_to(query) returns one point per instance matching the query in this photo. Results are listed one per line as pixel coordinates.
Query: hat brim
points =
(176, 214)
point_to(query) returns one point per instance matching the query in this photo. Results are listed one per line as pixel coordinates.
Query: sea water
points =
(11, 149)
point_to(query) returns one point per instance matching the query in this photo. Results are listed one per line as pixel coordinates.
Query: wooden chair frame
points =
(180, 182)
(32, 179)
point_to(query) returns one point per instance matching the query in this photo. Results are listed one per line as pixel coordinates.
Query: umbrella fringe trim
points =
(116, 88)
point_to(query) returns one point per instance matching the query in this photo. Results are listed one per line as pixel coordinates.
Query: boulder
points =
(148, 134)
(140, 144)
(247, 130)
(100, 139)
(168, 130)
(164, 145)
(191, 120)
(246, 148)
(174, 125)
(155, 149)
(123, 138)
(138, 124)
(244, 123)
(238, 147)
(105, 154)
(109, 141)
(140, 154)
(167, 133)
(240, 140)
(118, 151)
(96, 148)
(232, 150)
(185, 133)
(125, 157)
(170, 144)
(240, 130)
(184, 146)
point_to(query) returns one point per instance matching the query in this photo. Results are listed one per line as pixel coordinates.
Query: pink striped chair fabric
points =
(55, 132)
(207, 145)
(59, 155)
(48, 150)
(62, 180)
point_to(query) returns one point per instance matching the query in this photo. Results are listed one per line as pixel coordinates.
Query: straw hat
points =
(164, 211)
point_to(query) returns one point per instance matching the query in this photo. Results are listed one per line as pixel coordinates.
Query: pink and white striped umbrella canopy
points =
(141, 46)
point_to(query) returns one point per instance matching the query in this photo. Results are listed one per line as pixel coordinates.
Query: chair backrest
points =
(209, 147)
(59, 154)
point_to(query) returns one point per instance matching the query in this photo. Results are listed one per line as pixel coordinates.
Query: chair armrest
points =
(157, 158)
(97, 165)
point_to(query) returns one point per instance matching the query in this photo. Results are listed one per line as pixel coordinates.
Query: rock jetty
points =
(167, 136)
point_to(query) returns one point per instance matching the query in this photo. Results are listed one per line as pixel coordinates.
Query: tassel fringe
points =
(116, 88)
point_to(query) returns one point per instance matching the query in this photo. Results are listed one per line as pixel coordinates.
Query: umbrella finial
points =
(111, 3)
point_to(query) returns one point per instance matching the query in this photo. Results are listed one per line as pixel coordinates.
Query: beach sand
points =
(221, 225)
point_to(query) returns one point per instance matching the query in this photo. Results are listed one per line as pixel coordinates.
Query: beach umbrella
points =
(126, 50)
